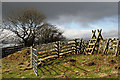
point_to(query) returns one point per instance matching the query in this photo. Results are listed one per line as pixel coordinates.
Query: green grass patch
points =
(71, 66)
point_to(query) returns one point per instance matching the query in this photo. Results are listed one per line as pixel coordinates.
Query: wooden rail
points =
(57, 49)
(109, 46)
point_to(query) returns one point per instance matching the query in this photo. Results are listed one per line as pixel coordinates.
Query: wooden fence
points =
(109, 46)
(57, 49)
(10, 50)
(45, 52)
(75, 46)
(34, 57)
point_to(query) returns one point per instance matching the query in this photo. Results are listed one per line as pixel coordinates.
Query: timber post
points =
(76, 44)
(58, 48)
(31, 55)
(105, 51)
(81, 42)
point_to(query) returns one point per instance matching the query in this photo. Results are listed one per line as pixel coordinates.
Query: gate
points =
(35, 61)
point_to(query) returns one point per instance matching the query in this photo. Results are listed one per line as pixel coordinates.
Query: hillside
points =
(17, 65)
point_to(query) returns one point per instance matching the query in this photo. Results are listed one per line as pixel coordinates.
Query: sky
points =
(59, 0)
(0, 13)
(76, 19)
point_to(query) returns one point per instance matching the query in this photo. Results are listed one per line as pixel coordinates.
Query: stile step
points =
(89, 53)
(93, 39)
(89, 48)
(91, 43)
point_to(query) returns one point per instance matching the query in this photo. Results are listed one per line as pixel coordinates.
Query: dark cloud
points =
(0, 13)
(65, 12)
(60, 1)
(86, 34)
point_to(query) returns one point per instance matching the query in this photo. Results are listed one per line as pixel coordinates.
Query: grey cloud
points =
(65, 12)
(111, 33)
(86, 34)
(0, 13)
(60, 0)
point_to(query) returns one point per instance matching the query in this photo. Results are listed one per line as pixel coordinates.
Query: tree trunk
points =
(28, 43)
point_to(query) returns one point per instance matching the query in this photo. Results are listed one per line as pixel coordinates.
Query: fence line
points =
(9, 50)
(54, 50)
(76, 46)
(58, 49)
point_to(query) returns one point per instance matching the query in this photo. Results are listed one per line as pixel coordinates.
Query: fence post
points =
(117, 47)
(31, 55)
(76, 44)
(105, 51)
(84, 47)
(81, 45)
(58, 48)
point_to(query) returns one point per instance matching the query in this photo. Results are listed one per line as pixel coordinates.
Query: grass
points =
(71, 66)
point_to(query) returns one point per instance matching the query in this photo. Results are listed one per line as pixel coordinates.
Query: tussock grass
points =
(71, 66)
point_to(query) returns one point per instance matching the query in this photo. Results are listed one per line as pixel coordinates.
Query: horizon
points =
(75, 19)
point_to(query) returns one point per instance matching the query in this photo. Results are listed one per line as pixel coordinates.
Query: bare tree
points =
(30, 26)
(50, 33)
(26, 25)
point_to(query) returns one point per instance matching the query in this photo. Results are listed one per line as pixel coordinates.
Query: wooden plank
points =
(47, 52)
(34, 54)
(36, 72)
(67, 50)
(34, 63)
(44, 53)
(63, 53)
(114, 45)
(92, 44)
(93, 39)
(39, 63)
(34, 59)
(40, 59)
(89, 53)
(43, 56)
(89, 48)
(67, 47)
(35, 68)
(49, 57)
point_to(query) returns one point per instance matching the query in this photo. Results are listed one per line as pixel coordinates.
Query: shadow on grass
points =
(41, 71)
(80, 68)
(47, 70)
(52, 69)
(56, 69)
